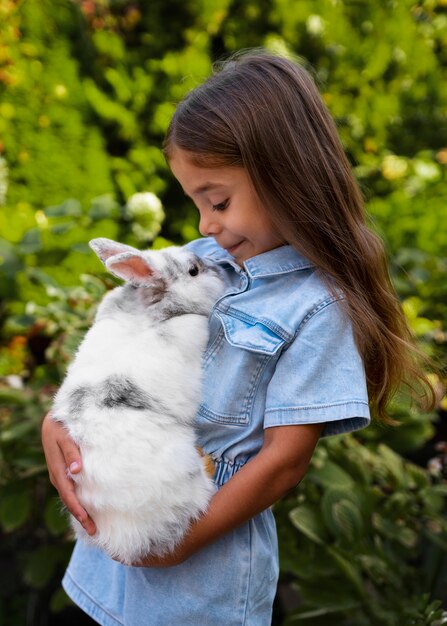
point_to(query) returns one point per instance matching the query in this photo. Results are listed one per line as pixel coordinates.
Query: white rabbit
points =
(130, 398)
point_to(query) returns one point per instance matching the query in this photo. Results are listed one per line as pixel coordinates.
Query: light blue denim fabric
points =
(281, 352)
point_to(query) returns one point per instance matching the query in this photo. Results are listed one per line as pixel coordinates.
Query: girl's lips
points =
(232, 249)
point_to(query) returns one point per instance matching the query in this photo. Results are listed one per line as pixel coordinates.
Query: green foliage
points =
(50, 148)
(87, 88)
(372, 540)
(31, 525)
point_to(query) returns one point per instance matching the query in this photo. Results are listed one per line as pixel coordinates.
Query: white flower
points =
(146, 212)
(315, 25)
(394, 167)
(15, 381)
(426, 170)
(143, 203)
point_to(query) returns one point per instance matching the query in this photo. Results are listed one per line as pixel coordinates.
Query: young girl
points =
(308, 329)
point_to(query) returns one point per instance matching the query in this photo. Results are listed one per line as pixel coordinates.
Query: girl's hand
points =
(277, 468)
(168, 560)
(178, 556)
(62, 455)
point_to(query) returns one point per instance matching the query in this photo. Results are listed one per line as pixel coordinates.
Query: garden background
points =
(87, 88)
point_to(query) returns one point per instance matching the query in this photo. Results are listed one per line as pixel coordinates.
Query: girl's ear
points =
(105, 248)
(132, 267)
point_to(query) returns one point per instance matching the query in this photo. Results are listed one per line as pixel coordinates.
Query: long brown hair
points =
(264, 113)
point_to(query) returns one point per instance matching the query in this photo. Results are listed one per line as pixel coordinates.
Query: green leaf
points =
(14, 510)
(8, 395)
(433, 498)
(331, 475)
(70, 207)
(344, 607)
(55, 517)
(40, 566)
(59, 601)
(419, 476)
(31, 242)
(393, 463)
(394, 531)
(17, 431)
(333, 591)
(437, 539)
(378, 569)
(341, 509)
(308, 521)
(350, 571)
(104, 207)
(348, 519)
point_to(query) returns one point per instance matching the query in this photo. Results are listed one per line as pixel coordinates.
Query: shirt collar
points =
(277, 261)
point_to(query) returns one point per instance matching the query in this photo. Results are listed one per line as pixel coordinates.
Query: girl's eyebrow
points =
(207, 187)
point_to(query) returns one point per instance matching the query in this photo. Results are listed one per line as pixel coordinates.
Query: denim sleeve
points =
(205, 246)
(194, 245)
(320, 377)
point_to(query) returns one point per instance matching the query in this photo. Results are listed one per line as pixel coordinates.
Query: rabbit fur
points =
(130, 398)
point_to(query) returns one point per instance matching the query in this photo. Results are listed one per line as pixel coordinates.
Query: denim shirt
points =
(281, 352)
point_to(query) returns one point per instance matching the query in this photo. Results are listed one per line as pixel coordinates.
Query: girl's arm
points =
(277, 468)
(62, 453)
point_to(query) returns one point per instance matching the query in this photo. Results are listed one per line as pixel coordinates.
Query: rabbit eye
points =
(194, 270)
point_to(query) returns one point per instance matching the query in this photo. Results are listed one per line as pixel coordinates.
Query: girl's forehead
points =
(199, 179)
(184, 159)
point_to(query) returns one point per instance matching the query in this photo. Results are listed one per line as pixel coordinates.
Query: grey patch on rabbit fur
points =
(153, 294)
(149, 297)
(176, 311)
(77, 399)
(118, 391)
(123, 298)
(114, 392)
(174, 268)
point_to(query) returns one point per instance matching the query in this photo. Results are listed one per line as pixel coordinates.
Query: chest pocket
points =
(233, 367)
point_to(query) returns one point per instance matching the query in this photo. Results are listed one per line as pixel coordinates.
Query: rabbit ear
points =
(105, 248)
(132, 267)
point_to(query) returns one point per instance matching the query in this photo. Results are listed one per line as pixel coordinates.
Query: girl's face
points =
(230, 211)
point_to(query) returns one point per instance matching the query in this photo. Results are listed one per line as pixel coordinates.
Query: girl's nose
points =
(208, 225)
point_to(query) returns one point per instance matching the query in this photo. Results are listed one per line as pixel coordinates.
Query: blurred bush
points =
(87, 88)
(372, 538)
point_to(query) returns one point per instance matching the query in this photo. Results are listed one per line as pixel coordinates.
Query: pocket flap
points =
(255, 336)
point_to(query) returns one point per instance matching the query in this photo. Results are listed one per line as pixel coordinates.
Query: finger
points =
(67, 494)
(53, 433)
(70, 452)
(72, 459)
(62, 454)
(70, 499)
(54, 458)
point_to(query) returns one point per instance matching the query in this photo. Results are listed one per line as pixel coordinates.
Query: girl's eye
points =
(221, 206)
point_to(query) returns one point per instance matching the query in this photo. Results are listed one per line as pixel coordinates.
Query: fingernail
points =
(74, 466)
